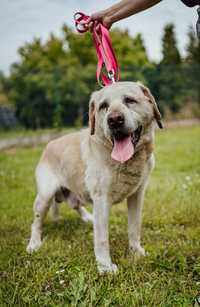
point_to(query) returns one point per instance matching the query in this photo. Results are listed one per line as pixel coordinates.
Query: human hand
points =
(95, 18)
(102, 17)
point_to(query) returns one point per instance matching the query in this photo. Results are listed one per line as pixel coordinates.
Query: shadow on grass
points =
(67, 229)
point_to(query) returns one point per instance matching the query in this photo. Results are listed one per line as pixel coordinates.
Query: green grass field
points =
(63, 272)
(20, 132)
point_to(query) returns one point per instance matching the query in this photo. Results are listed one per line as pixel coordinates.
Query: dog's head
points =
(121, 113)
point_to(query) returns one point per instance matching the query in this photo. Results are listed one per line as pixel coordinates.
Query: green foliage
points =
(193, 48)
(51, 84)
(193, 64)
(3, 92)
(170, 77)
(170, 50)
(131, 55)
(63, 272)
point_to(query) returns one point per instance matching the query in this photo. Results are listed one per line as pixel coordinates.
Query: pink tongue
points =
(123, 150)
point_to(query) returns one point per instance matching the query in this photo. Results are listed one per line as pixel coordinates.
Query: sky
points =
(22, 20)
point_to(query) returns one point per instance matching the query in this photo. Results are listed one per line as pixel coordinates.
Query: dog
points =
(104, 164)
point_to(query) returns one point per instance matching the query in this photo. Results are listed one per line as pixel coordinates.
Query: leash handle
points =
(105, 52)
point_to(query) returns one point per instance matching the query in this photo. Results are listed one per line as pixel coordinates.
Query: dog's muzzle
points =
(116, 123)
(115, 120)
(124, 140)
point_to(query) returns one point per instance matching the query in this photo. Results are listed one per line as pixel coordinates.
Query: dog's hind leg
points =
(76, 204)
(85, 215)
(47, 186)
(55, 210)
(41, 206)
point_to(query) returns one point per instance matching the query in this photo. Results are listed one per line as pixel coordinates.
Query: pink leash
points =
(105, 53)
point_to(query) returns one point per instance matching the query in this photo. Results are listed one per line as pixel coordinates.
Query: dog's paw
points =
(104, 269)
(138, 251)
(33, 246)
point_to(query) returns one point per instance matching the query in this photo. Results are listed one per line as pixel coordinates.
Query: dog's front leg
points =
(135, 205)
(101, 235)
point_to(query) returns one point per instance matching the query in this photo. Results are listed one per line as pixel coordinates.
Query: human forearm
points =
(126, 8)
(122, 9)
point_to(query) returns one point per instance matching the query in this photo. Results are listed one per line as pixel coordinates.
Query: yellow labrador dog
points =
(105, 164)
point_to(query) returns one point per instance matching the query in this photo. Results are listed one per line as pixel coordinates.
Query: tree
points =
(170, 78)
(170, 52)
(131, 54)
(52, 82)
(192, 65)
(193, 48)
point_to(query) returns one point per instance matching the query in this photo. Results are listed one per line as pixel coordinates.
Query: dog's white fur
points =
(81, 163)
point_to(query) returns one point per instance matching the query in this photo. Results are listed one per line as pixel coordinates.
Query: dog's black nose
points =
(115, 120)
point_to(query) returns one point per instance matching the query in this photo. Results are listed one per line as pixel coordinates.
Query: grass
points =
(21, 132)
(63, 272)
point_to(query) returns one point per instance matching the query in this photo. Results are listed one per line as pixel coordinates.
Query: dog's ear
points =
(92, 116)
(148, 94)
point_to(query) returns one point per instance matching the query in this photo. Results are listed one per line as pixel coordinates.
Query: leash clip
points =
(104, 50)
(111, 76)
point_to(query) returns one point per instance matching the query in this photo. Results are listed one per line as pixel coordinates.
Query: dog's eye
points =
(104, 106)
(129, 100)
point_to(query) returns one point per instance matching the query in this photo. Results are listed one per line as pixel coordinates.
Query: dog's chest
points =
(113, 180)
(126, 178)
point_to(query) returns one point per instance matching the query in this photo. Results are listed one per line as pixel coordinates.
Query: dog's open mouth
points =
(124, 145)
